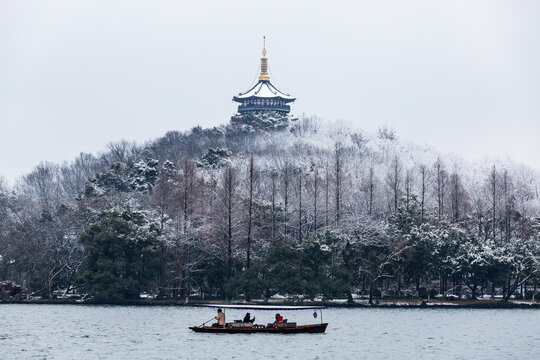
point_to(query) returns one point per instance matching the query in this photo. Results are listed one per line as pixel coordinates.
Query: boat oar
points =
(206, 322)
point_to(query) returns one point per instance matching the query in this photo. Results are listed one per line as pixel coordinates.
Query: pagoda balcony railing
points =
(253, 107)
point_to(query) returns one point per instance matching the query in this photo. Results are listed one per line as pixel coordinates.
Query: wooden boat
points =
(300, 329)
(249, 328)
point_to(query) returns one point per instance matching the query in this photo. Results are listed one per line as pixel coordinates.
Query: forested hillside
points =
(305, 210)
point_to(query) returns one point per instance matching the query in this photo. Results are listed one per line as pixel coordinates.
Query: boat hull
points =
(302, 329)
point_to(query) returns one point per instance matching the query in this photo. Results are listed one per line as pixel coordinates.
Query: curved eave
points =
(243, 99)
(264, 89)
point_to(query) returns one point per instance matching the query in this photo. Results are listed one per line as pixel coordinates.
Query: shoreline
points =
(381, 304)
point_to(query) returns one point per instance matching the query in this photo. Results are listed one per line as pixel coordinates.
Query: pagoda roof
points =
(264, 89)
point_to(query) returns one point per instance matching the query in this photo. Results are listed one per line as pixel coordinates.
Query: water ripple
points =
(106, 332)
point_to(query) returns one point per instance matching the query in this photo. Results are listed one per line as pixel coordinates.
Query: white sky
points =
(462, 76)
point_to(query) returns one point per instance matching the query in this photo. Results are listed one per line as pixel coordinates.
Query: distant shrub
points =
(423, 293)
(433, 293)
(529, 295)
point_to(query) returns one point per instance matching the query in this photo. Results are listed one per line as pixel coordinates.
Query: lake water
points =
(125, 332)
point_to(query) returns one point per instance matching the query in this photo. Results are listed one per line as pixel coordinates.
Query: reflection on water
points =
(123, 332)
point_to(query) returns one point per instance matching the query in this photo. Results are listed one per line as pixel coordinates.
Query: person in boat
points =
(279, 319)
(248, 319)
(220, 318)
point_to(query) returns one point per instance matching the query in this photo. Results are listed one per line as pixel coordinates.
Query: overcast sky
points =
(462, 76)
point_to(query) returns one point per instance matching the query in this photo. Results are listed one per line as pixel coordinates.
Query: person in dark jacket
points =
(248, 319)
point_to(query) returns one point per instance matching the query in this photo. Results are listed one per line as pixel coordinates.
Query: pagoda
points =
(264, 96)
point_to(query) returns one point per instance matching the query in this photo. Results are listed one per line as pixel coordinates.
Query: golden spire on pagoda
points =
(264, 63)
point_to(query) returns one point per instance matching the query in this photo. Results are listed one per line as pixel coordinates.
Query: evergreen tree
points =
(121, 256)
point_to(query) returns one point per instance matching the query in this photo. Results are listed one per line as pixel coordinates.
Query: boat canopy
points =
(263, 307)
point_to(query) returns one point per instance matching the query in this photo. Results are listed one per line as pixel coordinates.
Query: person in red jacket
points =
(279, 319)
